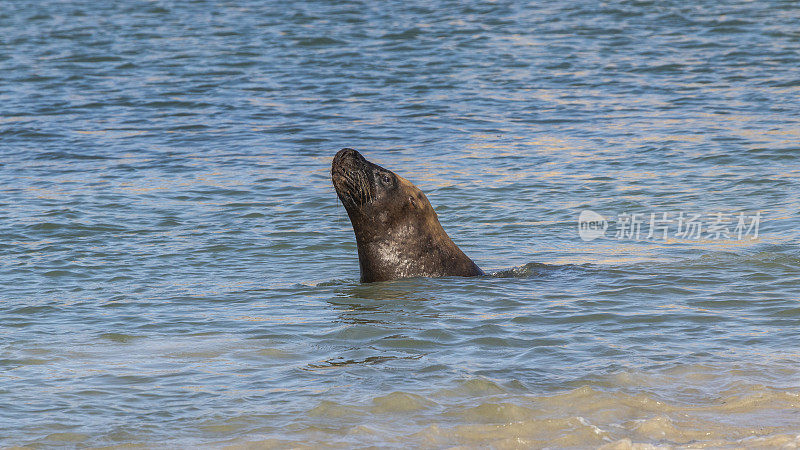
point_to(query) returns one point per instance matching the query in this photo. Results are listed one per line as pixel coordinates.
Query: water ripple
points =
(177, 269)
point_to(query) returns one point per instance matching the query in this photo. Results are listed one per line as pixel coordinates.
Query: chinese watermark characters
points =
(670, 225)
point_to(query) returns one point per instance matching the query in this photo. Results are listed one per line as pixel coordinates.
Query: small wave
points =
(69, 155)
(480, 413)
(536, 270)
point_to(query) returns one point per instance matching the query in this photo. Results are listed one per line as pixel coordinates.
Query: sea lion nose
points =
(346, 153)
(347, 157)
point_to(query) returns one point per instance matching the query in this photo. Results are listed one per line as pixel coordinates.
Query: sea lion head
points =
(377, 200)
(397, 231)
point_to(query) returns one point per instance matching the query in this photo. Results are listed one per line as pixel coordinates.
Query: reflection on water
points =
(176, 267)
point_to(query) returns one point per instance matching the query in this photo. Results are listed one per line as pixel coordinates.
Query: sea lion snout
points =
(347, 159)
(352, 179)
(344, 163)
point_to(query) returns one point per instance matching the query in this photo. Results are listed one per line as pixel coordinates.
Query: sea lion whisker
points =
(350, 185)
(347, 188)
(368, 188)
(364, 187)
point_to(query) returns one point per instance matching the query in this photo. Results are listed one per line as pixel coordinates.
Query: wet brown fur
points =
(397, 231)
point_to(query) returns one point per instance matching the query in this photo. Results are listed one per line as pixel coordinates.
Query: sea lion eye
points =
(386, 178)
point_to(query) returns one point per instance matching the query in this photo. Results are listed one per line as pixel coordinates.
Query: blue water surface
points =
(177, 270)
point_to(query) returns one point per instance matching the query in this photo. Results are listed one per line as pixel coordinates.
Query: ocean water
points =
(177, 271)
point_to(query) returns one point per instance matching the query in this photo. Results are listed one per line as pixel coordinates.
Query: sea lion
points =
(397, 231)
